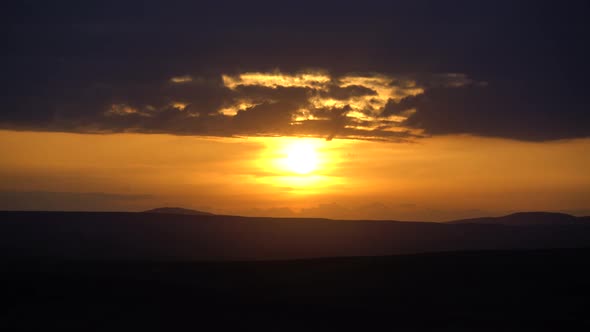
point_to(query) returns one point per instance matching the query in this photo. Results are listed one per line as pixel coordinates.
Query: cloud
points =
(369, 106)
(122, 110)
(181, 79)
(318, 104)
(277, 79)
(529, 112)
(391, 71)
(247, 104)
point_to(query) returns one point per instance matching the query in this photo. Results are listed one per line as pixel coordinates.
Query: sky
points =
(408, 110)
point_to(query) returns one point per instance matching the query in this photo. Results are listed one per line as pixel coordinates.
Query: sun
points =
(301, 157)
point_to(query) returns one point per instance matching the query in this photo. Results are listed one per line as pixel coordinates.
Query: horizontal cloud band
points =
(372, 106)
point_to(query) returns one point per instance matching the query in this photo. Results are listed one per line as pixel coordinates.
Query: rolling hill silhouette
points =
(127, 235)
(166, 272)
(177, 210)
(526, 219)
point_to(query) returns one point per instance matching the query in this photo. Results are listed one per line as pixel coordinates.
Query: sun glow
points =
(299, 165)
(301, 157)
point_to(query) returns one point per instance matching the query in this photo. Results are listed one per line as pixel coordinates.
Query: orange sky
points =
(432, 179)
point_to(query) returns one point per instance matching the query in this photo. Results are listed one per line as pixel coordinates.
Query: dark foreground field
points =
(145, 271)
(456, 291)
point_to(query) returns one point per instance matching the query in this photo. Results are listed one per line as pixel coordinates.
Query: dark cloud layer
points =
(505, 110)
(520, 68)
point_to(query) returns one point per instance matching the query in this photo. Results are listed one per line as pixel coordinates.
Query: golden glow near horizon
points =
(433, 179)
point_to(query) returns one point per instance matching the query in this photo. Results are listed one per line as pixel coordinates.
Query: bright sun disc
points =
(301, 157)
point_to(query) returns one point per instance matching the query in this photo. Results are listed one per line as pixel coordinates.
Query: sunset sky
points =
(410, 110)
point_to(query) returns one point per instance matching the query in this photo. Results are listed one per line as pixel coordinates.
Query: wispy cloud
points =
(181, 79)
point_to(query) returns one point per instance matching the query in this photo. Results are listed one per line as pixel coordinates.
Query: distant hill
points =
(175, 236)
(526, 219)
(177, 210)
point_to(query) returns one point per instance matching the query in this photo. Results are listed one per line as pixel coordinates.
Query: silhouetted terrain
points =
(462, 291)
(94, 235)
(527, 219)
(170, 272)
(177, 210)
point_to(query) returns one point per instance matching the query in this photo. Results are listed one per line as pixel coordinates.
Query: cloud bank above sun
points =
(315, 103)
(306, 103)
(391, 70)
(311, 103)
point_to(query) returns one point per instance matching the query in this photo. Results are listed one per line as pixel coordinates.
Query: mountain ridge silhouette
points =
(178, 210)
(161, 236)
(525, 219)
